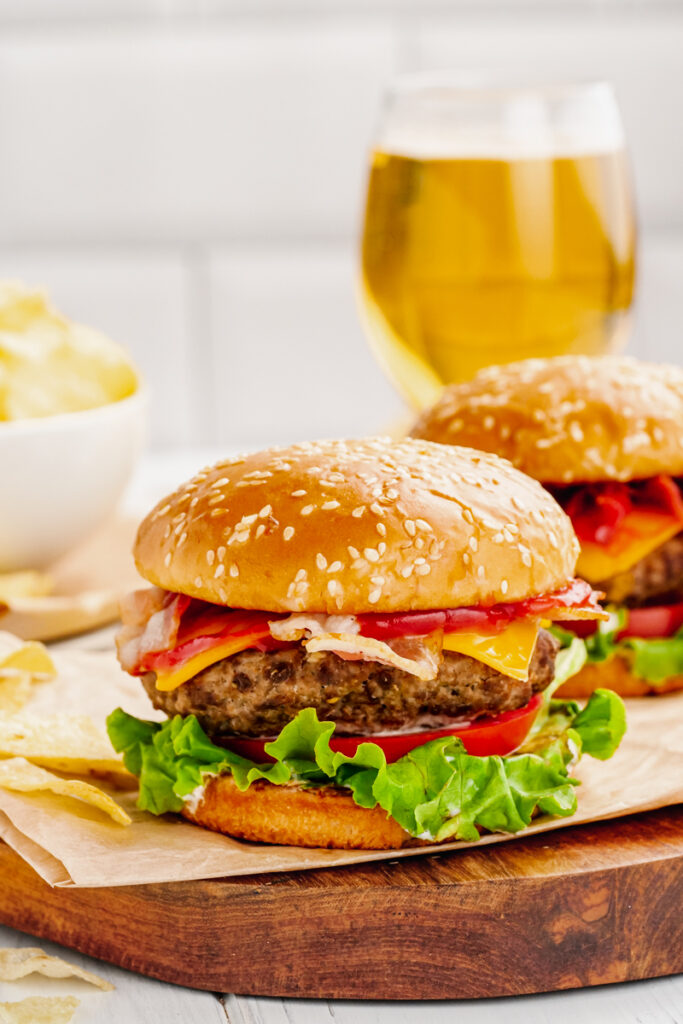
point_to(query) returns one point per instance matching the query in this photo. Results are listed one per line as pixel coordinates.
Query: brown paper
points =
(88, 584)
(73, 845)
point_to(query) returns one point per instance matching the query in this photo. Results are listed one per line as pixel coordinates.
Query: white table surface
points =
(138, 1000)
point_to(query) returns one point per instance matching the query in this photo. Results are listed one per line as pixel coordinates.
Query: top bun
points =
(572, 419)
(358, 526)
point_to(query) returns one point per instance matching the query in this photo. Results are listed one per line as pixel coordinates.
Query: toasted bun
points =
(571, 419)
(358, 526)
(292, 816)
(615, 674)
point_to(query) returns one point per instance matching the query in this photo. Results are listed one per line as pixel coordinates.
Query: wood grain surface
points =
(583, 906)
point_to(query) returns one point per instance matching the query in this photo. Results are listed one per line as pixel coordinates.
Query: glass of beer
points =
(499, 225)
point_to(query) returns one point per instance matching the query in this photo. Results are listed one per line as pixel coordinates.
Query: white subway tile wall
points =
(189, 177)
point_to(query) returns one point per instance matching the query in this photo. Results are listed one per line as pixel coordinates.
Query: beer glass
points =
(499, 225)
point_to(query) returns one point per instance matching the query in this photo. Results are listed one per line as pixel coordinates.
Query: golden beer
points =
(468, 261)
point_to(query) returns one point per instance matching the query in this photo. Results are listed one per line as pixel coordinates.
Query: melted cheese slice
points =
(639, 534)
(176, 677)
(509, 651)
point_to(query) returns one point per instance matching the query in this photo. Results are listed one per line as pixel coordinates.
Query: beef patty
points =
(256, 693)
(655, 579)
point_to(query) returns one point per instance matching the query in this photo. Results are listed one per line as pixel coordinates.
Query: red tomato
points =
(658, 621)
(576, 595)
(499, 734)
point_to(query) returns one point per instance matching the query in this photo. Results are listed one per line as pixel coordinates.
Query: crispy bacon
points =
(151, 620)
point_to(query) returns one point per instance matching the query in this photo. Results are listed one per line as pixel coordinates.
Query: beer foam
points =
(437, 122)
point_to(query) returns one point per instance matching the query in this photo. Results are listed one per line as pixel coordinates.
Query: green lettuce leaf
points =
(435, 791)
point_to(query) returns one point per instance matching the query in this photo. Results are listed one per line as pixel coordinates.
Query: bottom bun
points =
(615, 674)
(293, 816)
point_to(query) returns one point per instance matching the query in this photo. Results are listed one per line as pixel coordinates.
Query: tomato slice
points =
(498, 734)
(658, 621)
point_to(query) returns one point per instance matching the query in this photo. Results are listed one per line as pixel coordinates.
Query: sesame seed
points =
(298, 494)
(371, 554)
(423, 570)
(381, 529)
(335, 567)
(481, 572)
(288, 532)
(321, 561)
(220, 553)
(422, 524)
(473, 543)
(498, 538)
(198, 581)
(210, 555)
(329, 505)
(409, 527)
(222, 482)
(381, 547)
(358, 512)
(260, 530)
(392, 494)
(265, 511)
(301, 574)
(526, 558)
(374, 595)
(467, 558)
(406, 571)
(307, 509)
(504, 586)
(377, 509)
(220, 569)
(234, 571)
(333, 587)
(354, 552)
(167, 559)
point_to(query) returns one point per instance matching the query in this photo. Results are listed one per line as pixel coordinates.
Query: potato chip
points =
(39, 1010)
(15, 691)
(49, 364)
(28, 583)
(21, 776)
(17, 963)
(31, 657)
(20, 665)
(65, 743)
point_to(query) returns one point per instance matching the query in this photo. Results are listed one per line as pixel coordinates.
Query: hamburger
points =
(605, 437)
(346, 640)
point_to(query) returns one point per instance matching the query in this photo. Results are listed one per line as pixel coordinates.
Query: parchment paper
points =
(70, 844)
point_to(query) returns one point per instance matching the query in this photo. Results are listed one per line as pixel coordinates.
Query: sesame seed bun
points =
(293, 816)
(571, 419)
(615, 674)
(358, 526)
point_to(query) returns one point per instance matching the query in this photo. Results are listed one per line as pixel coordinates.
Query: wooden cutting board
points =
(581, 906)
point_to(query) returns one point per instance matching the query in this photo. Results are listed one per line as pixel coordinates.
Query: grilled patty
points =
(256, 693)
(655, 579)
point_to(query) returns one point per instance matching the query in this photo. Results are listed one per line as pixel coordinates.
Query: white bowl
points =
(60, 476)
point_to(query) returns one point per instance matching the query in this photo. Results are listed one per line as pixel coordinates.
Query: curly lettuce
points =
(436, 791)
